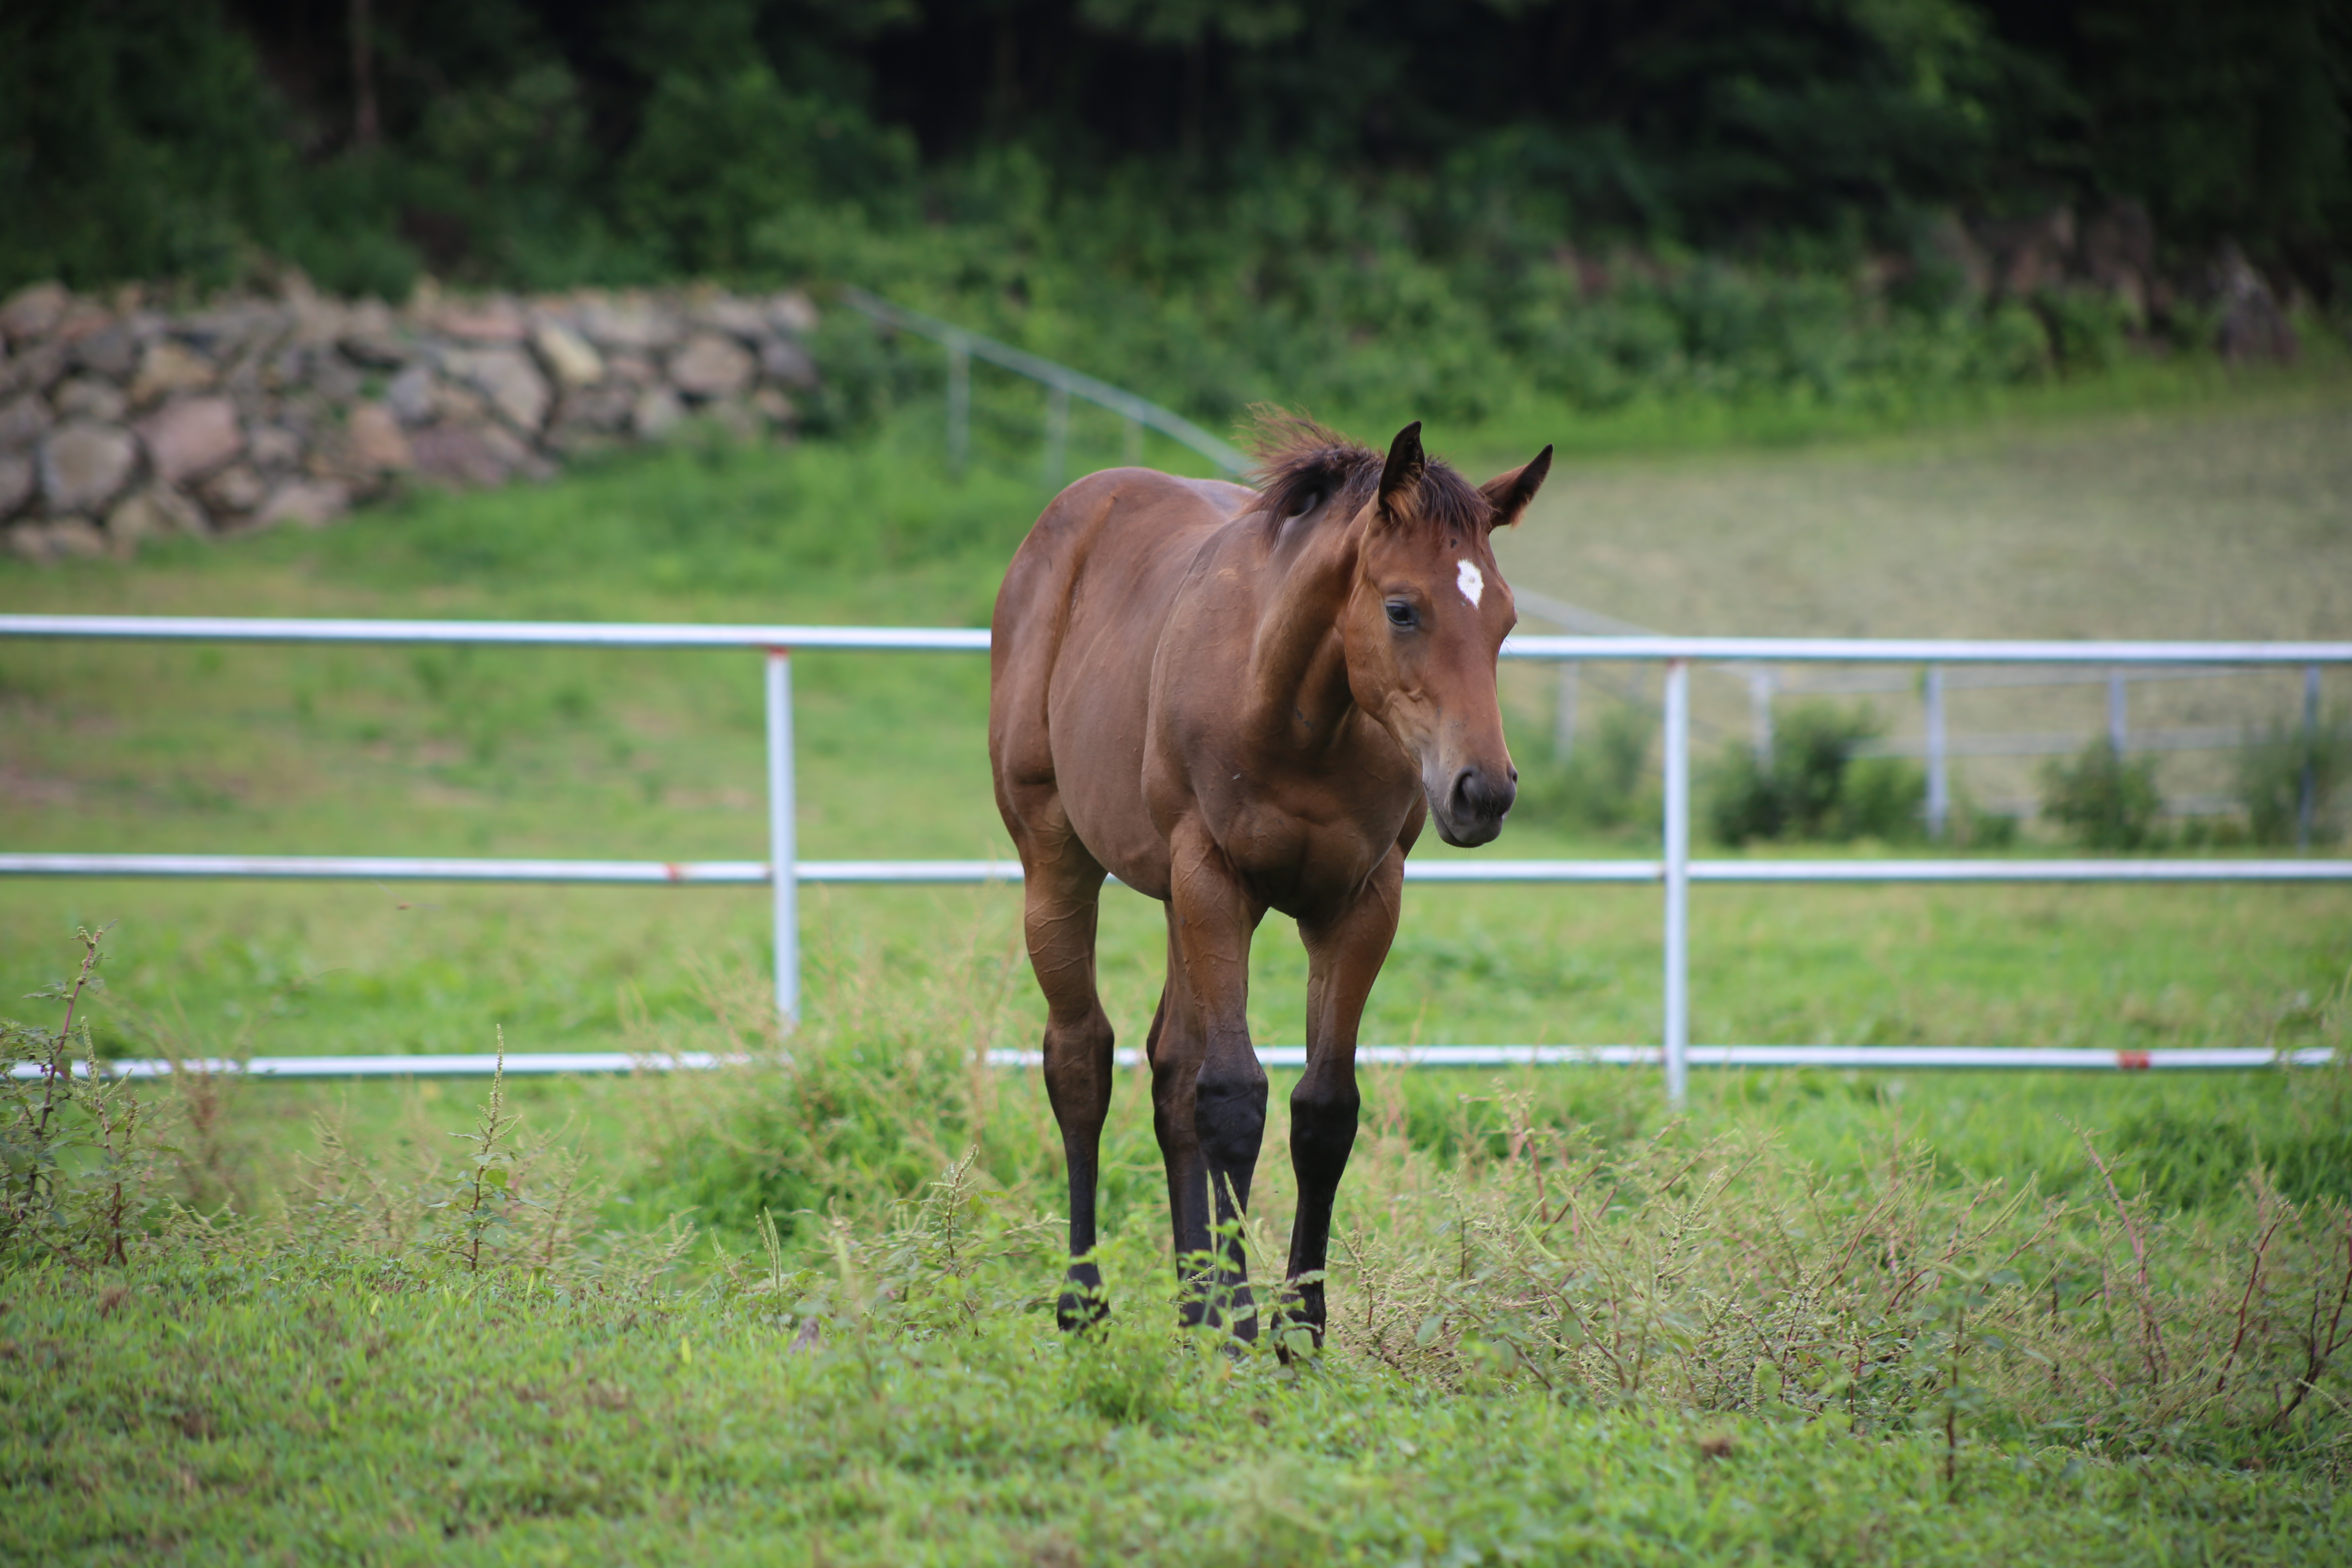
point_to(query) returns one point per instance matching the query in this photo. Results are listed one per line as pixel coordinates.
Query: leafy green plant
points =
(74, 1160)
(2280, 768)
(1814, 786)
(2101, 799)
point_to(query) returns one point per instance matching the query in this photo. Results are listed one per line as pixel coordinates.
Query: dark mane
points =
(1301, 463)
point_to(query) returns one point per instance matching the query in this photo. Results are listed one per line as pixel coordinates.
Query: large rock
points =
(377, 350)
(234, 491)
(493, 320)
(2253, 327)
(776, 407)
(22, 420)
(273, 446)
(169, 367)
(323, 372)
(190, 437)
(313, 504)
(711, 367)
(569, 357)
(792, 311)
(76, 537)
(34, 311)
(34, 368)
(783, 360)
(87, 397)
(238, 329)
(508, 378)
(377, 442)
(735, 318)
(410, 396)
(58, 540)
(468, 455)
(17, 482)
(630, 323)
(604, 407)
(155, 512)
(656, 413)
(85, 465)
(112, 351)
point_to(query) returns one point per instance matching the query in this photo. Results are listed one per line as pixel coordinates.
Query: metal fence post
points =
(1939, 790)
(1057, 434)
(1563, 719)
(1759, 703)
(958, 404)
(2119, 713)
(2307, 804)
(783, 847)
(1677, 847)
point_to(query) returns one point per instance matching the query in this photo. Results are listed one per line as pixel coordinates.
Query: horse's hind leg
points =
(1063, 892)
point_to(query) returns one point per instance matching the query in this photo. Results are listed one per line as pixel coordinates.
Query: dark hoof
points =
(1300, 1314)
(1080, 1307)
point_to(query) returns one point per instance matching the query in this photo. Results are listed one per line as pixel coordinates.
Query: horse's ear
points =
(1404, 464)
(1509, 493)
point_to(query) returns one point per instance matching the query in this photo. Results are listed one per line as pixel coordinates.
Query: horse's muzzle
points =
(1474, 806)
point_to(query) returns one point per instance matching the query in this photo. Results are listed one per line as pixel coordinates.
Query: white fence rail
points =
(1061, 383)
(1676, 868)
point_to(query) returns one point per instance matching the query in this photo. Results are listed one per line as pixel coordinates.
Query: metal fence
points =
(1675, 869)
(1061, 383)
(1939, 745)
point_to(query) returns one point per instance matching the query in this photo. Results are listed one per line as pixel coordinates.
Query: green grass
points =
(308, 1374)
(321, 1412)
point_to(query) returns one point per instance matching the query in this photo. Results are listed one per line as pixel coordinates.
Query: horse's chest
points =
(1297, 864)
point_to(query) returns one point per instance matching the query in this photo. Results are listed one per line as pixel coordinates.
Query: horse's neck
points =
(1297, 666)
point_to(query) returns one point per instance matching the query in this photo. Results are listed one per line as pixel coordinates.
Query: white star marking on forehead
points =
(1472, 582)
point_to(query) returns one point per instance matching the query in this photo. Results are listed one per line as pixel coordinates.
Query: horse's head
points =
(1423, 622)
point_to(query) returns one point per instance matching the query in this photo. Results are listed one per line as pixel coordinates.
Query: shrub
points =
(1604, 783)
(2088, 326)
(1813, 786)
(2103, 799)
(2272, 768)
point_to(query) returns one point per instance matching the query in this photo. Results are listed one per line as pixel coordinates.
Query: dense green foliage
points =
(1359, 204)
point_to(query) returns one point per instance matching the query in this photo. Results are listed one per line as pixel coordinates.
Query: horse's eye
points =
(1399, 613)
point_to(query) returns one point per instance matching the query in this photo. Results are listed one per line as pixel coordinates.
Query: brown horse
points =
(1234, 699)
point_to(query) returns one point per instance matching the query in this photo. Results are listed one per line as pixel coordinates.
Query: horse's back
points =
(1077, 621)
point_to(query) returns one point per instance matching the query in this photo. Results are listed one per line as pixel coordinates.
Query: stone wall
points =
(120, 423)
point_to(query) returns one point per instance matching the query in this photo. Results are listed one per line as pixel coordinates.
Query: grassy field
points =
(301, 1361)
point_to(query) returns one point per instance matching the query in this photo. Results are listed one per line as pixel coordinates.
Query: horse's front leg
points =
(1210, 920)
(1343, 957)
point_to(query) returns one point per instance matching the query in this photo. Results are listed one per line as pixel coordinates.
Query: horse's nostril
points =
(1475, 797)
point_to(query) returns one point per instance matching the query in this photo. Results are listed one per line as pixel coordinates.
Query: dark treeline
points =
(1451, 211)
(532, 141)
